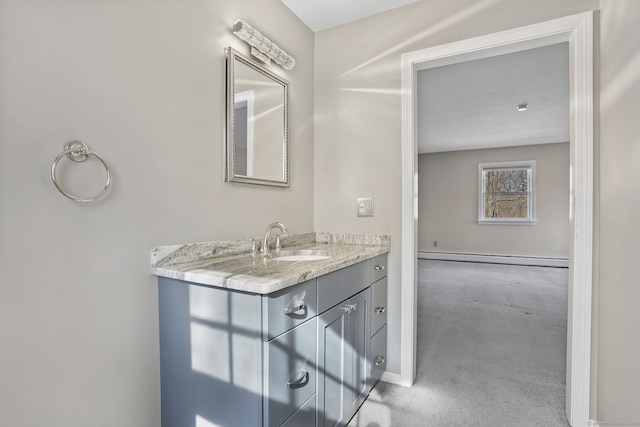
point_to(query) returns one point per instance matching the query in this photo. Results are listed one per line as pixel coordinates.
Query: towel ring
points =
(78, 152)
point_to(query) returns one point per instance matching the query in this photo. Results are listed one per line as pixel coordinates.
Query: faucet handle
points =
(254, 246)
(278, 247)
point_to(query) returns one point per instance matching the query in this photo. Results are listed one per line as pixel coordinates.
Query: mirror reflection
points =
(257, 124)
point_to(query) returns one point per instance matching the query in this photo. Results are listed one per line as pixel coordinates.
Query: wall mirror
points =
(257, 124)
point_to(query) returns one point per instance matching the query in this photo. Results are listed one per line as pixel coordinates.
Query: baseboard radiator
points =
(496, 259)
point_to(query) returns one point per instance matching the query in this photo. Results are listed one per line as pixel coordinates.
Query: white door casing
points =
(577, 30)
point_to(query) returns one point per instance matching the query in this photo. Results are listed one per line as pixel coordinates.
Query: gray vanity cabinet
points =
(305, 356)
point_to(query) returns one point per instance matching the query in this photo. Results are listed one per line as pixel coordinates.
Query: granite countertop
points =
(230, 265)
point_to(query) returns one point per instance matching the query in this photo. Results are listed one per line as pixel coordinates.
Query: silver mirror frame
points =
(230, 175)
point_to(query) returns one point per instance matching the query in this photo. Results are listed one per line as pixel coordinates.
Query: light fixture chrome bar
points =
(263, 45)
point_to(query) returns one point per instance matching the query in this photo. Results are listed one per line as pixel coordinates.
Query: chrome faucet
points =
(265, 242)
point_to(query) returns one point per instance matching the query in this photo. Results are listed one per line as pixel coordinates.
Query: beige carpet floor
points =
(491, 350)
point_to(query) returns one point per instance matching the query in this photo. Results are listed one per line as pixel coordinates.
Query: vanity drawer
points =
(378, 305)
(288, 308)
(378, 355)
(340, 285)
(378, 267)
(290, 372)
(305, 416)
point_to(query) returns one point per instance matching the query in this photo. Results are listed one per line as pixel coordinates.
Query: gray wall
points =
(618, 294)
(357, 108)
(142, 82)
(448, 203)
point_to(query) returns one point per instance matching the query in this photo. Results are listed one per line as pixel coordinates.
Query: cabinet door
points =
(333, 359)
(359, 344)
(343, 353)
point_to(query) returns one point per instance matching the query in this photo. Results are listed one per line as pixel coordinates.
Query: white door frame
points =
(578, 31)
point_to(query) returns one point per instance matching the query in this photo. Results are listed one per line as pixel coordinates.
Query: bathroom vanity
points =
(247, 340)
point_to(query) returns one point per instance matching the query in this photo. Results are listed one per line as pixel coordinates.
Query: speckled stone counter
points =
(229, 264)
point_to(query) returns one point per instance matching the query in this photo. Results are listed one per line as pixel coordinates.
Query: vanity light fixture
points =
(522, 107)
(261, 47)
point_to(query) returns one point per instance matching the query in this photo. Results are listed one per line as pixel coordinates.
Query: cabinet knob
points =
(350, 307)
(301, 379)
(380, 310)
(379, 360)
(379, 267)
(299, 306)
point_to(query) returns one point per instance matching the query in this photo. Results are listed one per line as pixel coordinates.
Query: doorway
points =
(578, 31)
(492, 329)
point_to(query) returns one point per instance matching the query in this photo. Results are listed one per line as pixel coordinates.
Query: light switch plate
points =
(365, 206)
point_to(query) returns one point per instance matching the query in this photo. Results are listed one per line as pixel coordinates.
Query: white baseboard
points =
(391, 377)
(496, 259)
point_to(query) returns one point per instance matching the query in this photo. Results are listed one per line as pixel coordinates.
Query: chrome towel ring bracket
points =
(79, 152)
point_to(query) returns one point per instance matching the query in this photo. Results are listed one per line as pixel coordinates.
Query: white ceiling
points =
(323, 14)
(472, 105)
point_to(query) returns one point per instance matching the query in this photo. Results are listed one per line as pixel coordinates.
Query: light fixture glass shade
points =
(262, 44)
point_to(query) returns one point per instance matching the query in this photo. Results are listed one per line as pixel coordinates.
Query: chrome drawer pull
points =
(379, 360)
(290, 310)
(301, 379)
(379, 267)
(380, 310)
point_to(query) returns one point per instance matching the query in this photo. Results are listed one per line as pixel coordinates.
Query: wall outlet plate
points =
(365, 206)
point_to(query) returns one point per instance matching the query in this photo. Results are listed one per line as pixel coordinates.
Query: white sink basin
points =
(301, 257)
